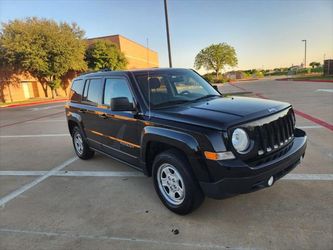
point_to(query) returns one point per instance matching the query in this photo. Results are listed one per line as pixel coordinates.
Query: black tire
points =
(85, 152)
(193, 195)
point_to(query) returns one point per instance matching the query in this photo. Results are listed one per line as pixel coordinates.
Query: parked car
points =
(174, 126)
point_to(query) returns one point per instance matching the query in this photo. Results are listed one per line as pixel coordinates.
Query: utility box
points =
(328, 67)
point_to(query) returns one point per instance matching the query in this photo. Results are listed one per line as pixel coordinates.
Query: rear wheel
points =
(80, 145)
(175, 184)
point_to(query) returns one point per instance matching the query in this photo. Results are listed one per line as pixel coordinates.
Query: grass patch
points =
(313, 77)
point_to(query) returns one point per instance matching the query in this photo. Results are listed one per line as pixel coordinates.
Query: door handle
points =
(104, 116)
(82, 110)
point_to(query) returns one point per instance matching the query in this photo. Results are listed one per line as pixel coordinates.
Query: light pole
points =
(304, 52)
(167, 30)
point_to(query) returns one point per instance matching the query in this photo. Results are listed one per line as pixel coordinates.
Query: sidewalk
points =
(32, 103)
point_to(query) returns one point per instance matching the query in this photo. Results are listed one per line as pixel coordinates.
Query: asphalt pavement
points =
(50, 199)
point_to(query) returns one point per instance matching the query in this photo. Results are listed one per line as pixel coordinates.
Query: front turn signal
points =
(219, 156)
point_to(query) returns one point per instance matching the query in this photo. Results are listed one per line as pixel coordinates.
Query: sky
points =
(265, 34)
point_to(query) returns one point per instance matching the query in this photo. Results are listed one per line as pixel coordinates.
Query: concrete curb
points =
(33, 103)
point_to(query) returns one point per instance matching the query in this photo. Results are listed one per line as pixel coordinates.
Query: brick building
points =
(24, 86)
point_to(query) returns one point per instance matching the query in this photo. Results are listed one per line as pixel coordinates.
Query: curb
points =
(33, 103)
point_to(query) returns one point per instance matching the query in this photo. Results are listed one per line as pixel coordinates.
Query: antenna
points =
(148, 80)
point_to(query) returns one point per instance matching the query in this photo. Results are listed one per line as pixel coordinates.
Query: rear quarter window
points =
(76, 90)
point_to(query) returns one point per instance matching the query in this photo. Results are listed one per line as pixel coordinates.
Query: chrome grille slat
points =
(274, 135)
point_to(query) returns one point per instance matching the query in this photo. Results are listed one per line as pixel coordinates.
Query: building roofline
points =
(101, 37)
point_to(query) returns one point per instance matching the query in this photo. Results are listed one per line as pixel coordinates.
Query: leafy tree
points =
(314, 64)
(46, 49)
(104, 54)
(216, 57)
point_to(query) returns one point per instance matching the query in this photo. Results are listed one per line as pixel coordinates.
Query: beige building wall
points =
(138, 56)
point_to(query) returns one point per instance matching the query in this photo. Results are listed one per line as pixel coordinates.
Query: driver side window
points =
(116, 87)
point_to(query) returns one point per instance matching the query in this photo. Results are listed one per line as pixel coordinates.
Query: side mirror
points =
(121, 104)
(216, 88)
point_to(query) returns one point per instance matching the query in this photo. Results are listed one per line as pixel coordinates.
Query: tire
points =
(80, 145)
(185, 194)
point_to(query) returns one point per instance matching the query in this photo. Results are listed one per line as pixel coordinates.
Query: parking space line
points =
(117, 238)
(30, 185)
(307, 127)
(309, 177)
(29, 136)
(301, 177)
(63, 120)
(47, 107)
(76, 173)
(32, 119)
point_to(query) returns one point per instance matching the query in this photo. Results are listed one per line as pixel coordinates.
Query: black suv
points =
(173, 125)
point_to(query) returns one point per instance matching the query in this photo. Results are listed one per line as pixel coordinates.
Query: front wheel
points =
(175, 184)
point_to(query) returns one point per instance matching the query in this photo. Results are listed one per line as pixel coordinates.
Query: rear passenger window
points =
(95, 91)
(76, 90)
(116, 87)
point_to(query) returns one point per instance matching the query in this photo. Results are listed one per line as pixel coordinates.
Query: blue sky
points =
(264, 33)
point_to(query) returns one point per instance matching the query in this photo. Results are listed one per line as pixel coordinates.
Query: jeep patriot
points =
(173, 125)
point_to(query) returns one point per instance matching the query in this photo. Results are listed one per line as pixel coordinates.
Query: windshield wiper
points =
(170, 103)
(204, 97)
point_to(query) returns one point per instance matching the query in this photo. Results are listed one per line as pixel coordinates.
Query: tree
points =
(314, 64)
(45, 48)
(216, 57)
(104, 54)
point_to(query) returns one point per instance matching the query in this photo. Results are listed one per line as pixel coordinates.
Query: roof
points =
(125, 72)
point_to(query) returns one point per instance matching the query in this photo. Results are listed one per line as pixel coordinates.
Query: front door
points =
(120, 128)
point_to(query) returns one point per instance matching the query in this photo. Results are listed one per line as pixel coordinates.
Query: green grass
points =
(313, 77)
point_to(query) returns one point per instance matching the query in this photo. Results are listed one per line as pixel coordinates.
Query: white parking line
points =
(307, 127)
(39, 121)
(309, 177)
(117, 238)
(301, 177)
(29, 136)
(325, 90)
(45, 108)
(26, 187)
(75, 173)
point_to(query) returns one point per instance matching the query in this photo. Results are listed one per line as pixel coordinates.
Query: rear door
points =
(90, 110)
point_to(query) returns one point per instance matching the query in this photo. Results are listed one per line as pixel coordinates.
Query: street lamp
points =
(304, 53)
(167, 30)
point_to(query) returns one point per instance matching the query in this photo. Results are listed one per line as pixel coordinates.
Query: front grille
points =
(270, 136)
(276, 134)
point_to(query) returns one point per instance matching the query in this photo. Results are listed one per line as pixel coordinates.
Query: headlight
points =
(240, 140)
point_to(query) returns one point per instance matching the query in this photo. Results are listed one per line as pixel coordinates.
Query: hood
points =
(220, 113)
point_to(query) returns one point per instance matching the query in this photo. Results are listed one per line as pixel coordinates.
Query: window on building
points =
(76, 90)
(116, 87)
(95, 91)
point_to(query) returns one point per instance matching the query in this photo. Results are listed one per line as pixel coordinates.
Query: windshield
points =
(171, 87)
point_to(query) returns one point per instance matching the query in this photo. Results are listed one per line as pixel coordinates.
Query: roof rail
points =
(106, 69)
(95, 71)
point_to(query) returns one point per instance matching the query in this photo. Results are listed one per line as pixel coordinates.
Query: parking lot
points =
(50, 199)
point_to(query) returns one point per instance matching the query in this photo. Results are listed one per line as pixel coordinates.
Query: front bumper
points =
(249, 179)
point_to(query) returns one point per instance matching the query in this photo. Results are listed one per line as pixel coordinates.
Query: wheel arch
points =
(155, 140)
